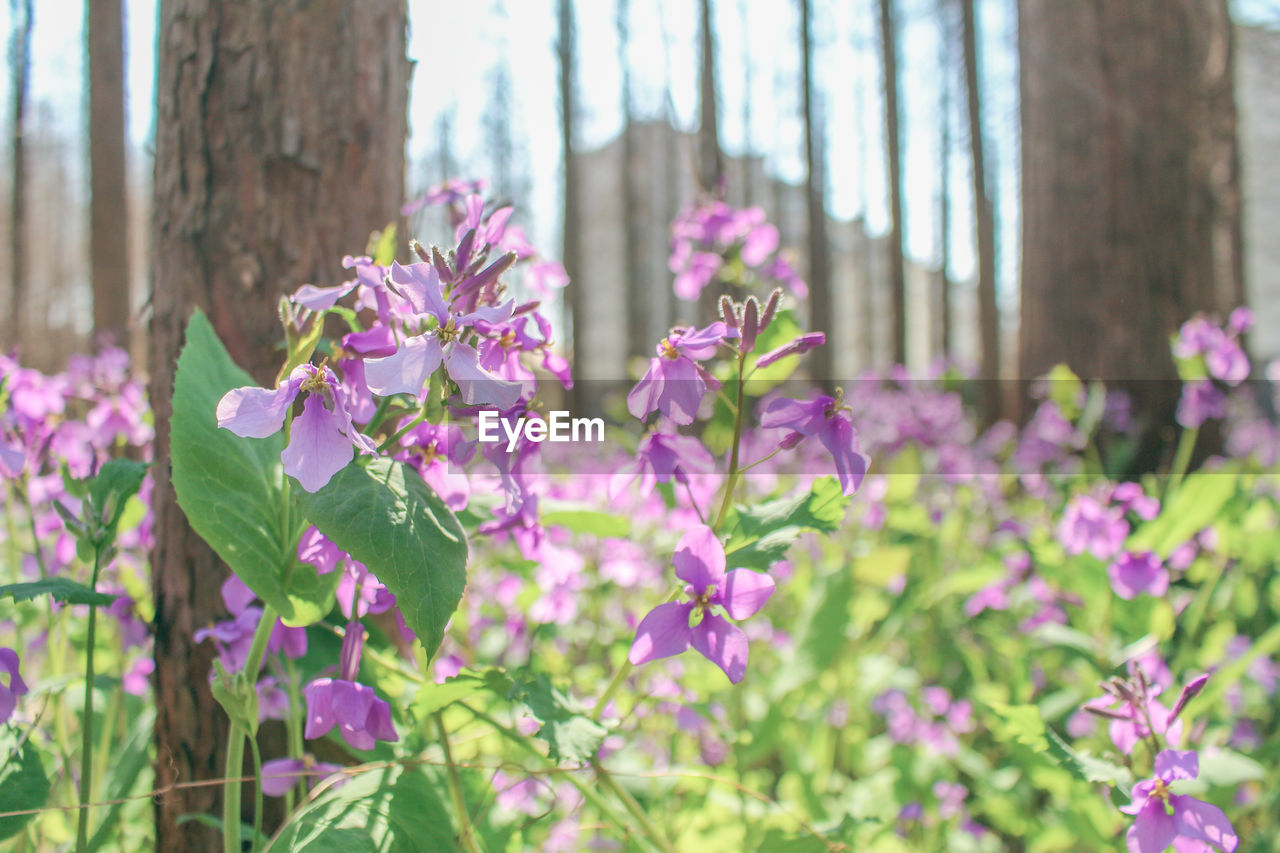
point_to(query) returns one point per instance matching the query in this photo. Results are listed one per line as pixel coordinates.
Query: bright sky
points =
(456, 46)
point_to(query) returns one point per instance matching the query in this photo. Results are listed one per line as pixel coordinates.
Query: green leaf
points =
(378, 810)
(1065, 389)
(434, 697)
(1024, 724)
(385, 516)
(761, 535)
(581, 519)
(62, 589)
(384, 248)
(1224, 766)
(230, 487)
(23, 783)
(116, 482)
(571, 735)
(1086, 767)
(1197, 503)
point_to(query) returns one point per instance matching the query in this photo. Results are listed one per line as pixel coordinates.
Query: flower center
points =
(1161, 791)
(701, 605)
(429, 453)
(448, 332)
(315, 383)
(508, 339)
(668, 350)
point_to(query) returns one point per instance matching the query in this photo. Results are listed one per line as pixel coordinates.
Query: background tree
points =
(639, 302)
(946, 73)
(108, 219)
(21, 23)
(815, 183)
(571, 223)
(893, 147)
(984, 224)
(1130, 188)
(279, 147)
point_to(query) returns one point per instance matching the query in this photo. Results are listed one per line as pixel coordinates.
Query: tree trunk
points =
(946, 70)
(819, 252)
(572, 225)
(710, 157)
(20, 20)
(984, 219)
(108, 212)
(1130, 192)
(279, 147)
(639, 300)
(893, 145)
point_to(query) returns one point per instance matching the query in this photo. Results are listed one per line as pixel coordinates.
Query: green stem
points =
(1181, 459)
(727, 501)
(231, 792)
(235, 745)
(257, 791)
(394, 437)
(633, 808)
(86, 725)
(466, 833)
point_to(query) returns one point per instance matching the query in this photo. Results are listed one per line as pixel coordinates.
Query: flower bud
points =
(750, 324)
(770, 308)
(420, 250)
(727, 312)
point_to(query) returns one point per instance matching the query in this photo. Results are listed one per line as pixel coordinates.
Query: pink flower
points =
(1162, 818)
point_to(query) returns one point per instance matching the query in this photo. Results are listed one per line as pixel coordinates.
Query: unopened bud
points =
(727, 312)
(750, 324)
(770, 308)
(420, 250)
(441, 265)
(802, 344)
(1188, 693)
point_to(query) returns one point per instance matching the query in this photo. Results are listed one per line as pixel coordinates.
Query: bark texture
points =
(108, 212)
(815, 179)
(984, 219)
(21, 23)
(279, 148)
(1131, 211)
(893, 147)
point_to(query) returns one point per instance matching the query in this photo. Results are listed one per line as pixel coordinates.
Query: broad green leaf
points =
(581, 519)
(434, 697)
(1024, 724)
(385, 516)
(379, 810)
(23, 783)
(760, 535)
(1065, 389)
(1193, 507)
(1086, 767)
(571, 735)
(1224, 766)
(384, 247)
(883, 565)
(62, 589)
(230, 487)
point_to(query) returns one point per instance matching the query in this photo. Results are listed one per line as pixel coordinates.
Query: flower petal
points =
(320, 719)
(1204, 821)
(745, 592)
(408, 370)
(1174, 764)
(1153, 829)
(478, 386)
(699, 558)
(317, 448)
(256, 412)
(322, 298)
(663, 632)
(722, 643)
(643, 398)
(420, 283)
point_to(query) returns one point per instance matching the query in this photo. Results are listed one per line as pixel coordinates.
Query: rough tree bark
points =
(710, 157)
(1130, 191)
(893, 145)
(571, 223)
(984, 219)
(279, 147)
(108, 213)
(20, 22)
(815, 178)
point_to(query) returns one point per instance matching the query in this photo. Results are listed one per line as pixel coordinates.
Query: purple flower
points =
(671, 628)
(419, 356)
(9, 695)
(361, 717)
(1162, 818)
(1134, 574)
(320, 439)
(662, 457)
(1201, 401)
(803, 343)
(280, 775)
(1088, 525)
(824, 417)
(675, 383)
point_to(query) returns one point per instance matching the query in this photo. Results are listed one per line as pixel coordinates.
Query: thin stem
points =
(618, 677)
(688, 487)
(760, 461)
(231, 792)
(421, 416)
(466, 833)
(629, 802)
(235, 746)
(257, 792)
(1181, 459)
(86, 725)
(733, 458)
